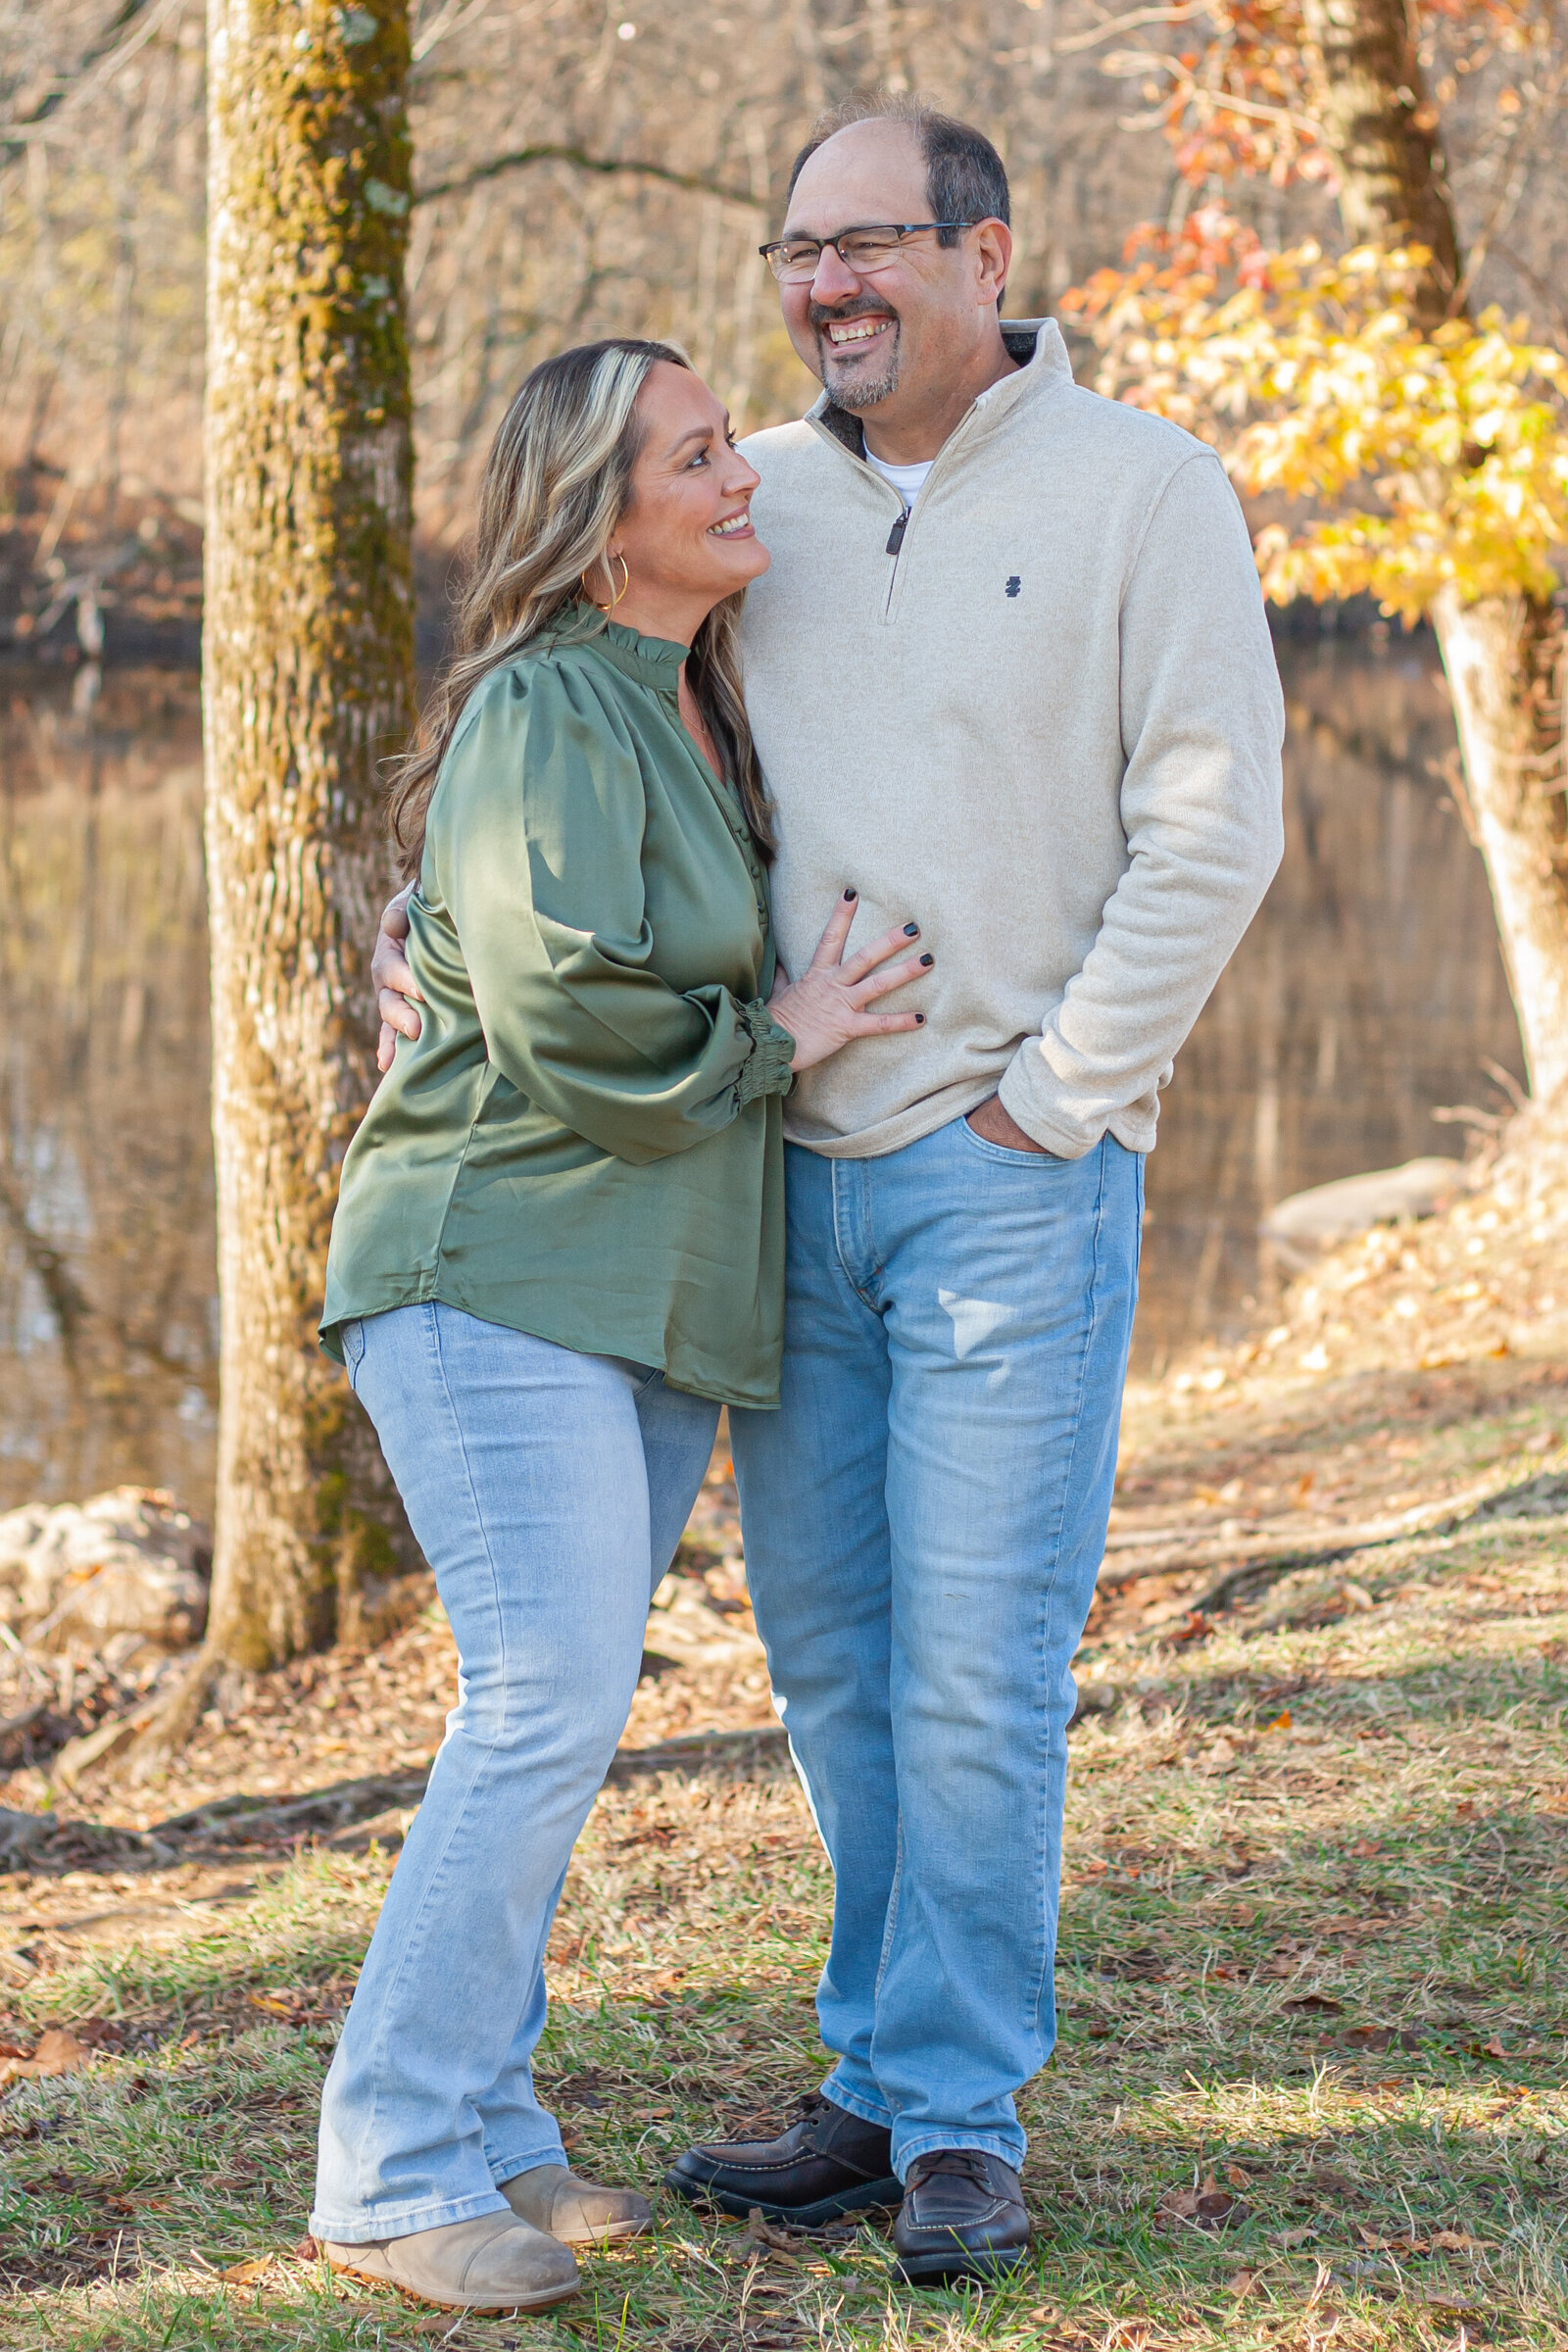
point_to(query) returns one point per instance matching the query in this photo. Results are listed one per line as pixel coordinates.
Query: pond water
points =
(1368, 992)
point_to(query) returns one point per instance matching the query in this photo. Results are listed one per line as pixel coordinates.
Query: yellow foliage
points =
(1442, 460)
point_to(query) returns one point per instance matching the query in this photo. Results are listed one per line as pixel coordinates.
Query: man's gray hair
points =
(966, 177)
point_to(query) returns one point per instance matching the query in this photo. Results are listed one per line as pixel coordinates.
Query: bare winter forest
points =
(586, 169)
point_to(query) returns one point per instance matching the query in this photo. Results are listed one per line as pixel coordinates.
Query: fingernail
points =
(919, 1020)
(928, 959)
(911, 930)
(852, 894)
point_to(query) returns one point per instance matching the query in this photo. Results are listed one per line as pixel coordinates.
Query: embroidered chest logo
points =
(1013, 585)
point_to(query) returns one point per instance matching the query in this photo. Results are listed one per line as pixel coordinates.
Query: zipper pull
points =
(896, 535)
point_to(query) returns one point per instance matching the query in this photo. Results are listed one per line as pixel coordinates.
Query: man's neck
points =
(910, 431)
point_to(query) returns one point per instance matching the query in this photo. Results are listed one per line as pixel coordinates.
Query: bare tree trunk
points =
(1381, 129)
(1503, 658)
(307, 679)
(1505, 664)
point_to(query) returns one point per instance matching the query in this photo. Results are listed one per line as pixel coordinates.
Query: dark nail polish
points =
(919, 1020)
(928, 959)
(911, 930)
(852, 894)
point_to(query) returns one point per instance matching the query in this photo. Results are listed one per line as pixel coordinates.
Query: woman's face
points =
(687, 536)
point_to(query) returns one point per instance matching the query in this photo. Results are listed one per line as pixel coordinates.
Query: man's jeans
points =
(924, 1520)
(548, 1490)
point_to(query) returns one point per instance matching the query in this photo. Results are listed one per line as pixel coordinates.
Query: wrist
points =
(768, 1069)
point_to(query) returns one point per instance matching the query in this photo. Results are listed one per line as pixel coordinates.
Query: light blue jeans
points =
(924, 1520)
(548, 1490)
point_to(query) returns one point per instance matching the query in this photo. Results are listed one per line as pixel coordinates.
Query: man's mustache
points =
(865, 306)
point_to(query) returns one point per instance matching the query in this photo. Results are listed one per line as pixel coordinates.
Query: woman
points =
(558, 1250)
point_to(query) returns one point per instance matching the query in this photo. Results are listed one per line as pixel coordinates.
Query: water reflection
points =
(108, 1314)
(1369, 990)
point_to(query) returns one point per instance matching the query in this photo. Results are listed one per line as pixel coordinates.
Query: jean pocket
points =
(353, 1338)
(1009, 1154)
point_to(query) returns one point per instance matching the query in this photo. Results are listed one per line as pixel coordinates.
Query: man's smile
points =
(855, 330)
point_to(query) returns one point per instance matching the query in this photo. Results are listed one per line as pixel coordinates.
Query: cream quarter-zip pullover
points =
(1039, 714)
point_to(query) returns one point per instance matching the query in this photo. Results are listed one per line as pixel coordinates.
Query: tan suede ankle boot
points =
(578, 2213)
(495, 2263)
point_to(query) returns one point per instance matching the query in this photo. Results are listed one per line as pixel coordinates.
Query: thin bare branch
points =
(520, 157)
(1129, 24)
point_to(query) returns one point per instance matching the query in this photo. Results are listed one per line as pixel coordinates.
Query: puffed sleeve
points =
(535, 843)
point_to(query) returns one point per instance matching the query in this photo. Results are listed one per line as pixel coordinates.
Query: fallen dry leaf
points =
(1207, 2208)
(1285, 2239)
(246, 2273)
(1235, 2176)
(1456, 2241)
(1195, 1627)
(1365, 1846)
(1322, 2002)
(58, 2053)
(1383, 2037)
(759, 2233)
(1281, 1722)
(1243, 2283)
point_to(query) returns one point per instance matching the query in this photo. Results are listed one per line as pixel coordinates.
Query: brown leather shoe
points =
(827, 2165)
(579, 2213)
(963, 2216)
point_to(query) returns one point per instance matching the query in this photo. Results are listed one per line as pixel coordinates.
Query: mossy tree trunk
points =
(308, 680)
(1505, 655)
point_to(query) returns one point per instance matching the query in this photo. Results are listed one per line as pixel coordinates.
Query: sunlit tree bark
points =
(1504, 655)
(308, 680)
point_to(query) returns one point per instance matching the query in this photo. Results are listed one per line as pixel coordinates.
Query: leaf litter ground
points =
(1310, 2087)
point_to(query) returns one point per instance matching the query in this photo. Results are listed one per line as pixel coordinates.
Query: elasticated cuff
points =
(767, 1068)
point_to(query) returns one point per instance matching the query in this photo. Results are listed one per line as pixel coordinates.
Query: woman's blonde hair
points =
(557, 483)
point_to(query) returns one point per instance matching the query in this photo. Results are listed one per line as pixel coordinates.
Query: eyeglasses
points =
(794, 260)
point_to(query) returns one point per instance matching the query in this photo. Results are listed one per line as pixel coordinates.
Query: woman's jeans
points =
(925, 1519)
(548, 1490)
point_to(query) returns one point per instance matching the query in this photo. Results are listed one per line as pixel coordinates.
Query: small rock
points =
(129, 1561)
(20, 1832)
(1310, 1221)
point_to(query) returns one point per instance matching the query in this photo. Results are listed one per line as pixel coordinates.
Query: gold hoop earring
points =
(625, 583)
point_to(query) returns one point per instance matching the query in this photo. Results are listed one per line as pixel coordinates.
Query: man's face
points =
(897, 330)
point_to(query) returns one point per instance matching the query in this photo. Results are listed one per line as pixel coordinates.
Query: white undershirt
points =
(908, 481)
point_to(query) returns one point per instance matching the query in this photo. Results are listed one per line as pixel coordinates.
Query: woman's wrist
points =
(766, 1069)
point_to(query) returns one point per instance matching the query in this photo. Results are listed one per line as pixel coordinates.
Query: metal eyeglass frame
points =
(861, 229)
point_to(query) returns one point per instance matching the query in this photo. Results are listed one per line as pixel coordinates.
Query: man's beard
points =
(864, 390)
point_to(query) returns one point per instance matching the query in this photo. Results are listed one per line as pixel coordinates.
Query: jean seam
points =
(415, 1943)
(984, 2143)
(1052, 1582)
(508, 2168)
(411, 2219)
(866, 1301)
(891, 1922)
(839, 2094)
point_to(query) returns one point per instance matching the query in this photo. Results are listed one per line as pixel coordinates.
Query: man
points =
(1010, 676)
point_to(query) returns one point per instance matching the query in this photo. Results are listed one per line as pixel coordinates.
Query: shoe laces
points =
(956, 2164)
